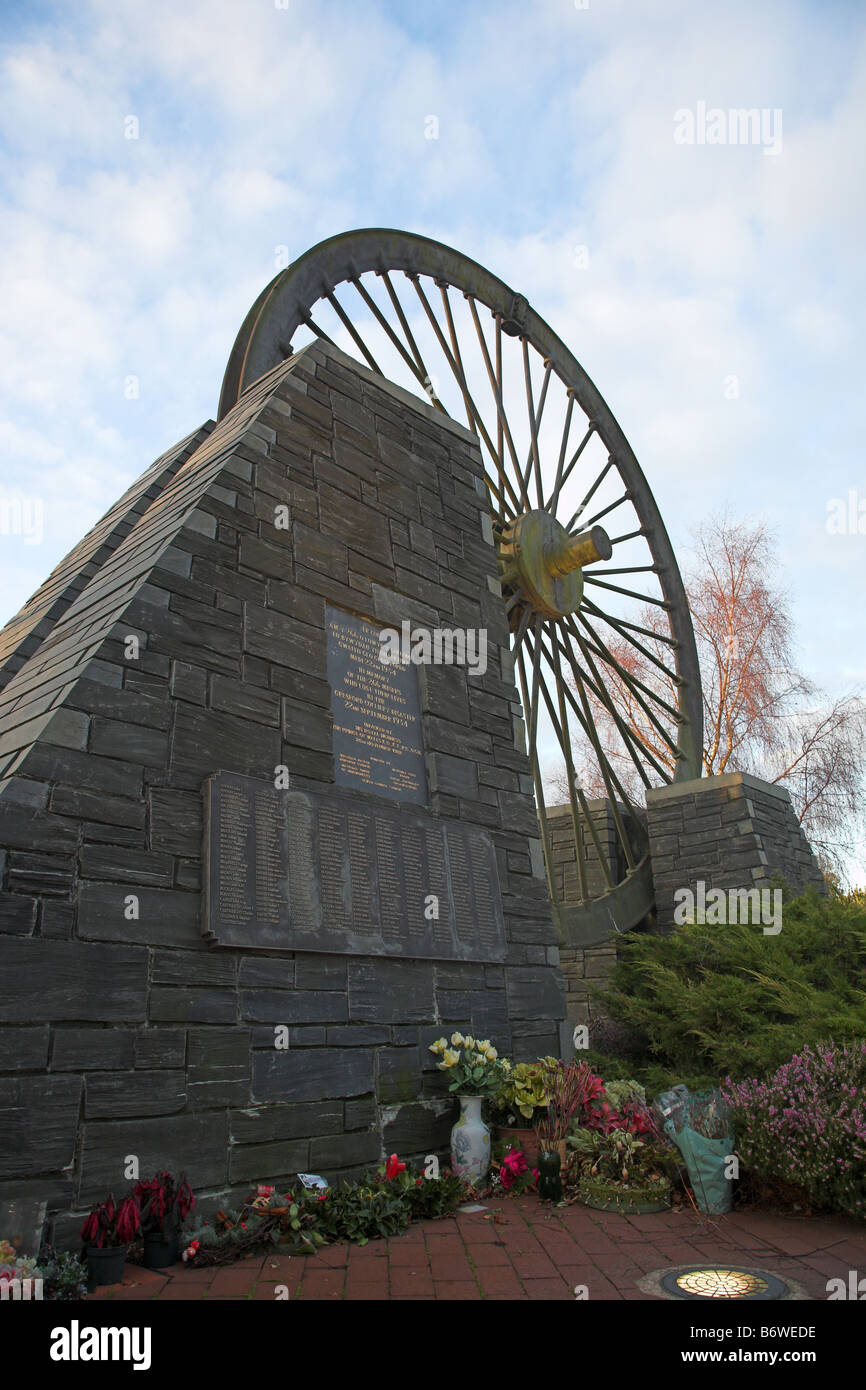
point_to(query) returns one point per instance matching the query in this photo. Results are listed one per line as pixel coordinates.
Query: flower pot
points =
(628, 1201)
(470, 1142)
(159, 1251)
(524, 1139)
(549, 1176)
(105, 1266)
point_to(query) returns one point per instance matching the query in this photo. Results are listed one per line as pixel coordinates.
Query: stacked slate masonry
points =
(190, 642)
(728, 831)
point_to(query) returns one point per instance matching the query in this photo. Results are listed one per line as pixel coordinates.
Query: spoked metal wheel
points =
(604, 651)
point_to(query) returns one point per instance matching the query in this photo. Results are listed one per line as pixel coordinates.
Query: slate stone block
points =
(391, 991)
(266, 971)
(399, 1070)
(534, 992)
(194, 1143)
(38, 1121)
(207, 741)
(420, 1128)
(165, 916)
(320, 972)
(92, 1049)
(131, 741)
(17, 914)
(119, 1094)
(96, 806)
(75, 769)
(24, 828)
(193, 968)
(143, 868)
(293, 1006)
(160, 1047)
(268, 1161)
(261, 1124)
(74, 981)
(319, 1074)
(178, 1004)
(244, 700)
(24, 1049)
(343, 1150)
(176, 821)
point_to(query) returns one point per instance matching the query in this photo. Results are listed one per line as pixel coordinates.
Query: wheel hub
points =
(543, 563)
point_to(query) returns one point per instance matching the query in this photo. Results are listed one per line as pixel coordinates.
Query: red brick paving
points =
(522, 1249)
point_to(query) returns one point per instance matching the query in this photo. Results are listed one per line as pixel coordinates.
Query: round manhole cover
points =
(722, 1281)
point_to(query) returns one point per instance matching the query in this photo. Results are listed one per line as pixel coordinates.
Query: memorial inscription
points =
(378, 746)
(330, 872)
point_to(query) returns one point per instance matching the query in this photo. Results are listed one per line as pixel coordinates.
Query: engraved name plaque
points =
(378, 746)
(335, 872)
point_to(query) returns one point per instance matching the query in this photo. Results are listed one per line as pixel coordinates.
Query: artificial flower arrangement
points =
(474, 1066)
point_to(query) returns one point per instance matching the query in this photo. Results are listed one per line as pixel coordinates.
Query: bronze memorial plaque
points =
(337, 872)
(378, 746)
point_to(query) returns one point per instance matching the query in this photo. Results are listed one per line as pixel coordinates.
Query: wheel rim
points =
(430, 318)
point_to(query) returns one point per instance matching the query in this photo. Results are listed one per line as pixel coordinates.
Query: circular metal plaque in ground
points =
(721, 1281)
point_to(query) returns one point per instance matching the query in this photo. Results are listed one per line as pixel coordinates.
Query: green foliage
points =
(716, 1000)
(523, 1090)
(433, 1198)
(64, 1275)
(652, 1075)
(363, 1211)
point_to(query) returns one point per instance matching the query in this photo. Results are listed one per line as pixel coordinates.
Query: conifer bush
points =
(728, 1000)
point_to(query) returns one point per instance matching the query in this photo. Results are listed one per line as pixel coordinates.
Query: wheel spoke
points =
(563, 476)
(590, 578)
(418, 372)
(536, 773)
(426, 379)
(596, 485)
(353, 332)
(634, 685)
(502, 419)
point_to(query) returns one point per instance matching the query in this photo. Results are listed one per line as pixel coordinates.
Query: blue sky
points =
(262, 127)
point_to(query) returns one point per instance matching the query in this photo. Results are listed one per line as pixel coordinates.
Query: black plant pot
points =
(105, 1266)
(159, 1251)
(549, 1176)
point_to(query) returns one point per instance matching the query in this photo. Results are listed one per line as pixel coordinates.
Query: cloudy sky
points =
(718, 303)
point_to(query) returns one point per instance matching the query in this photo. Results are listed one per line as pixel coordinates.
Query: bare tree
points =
(761, 714)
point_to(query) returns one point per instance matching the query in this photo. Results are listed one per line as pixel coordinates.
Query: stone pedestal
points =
(732, 831)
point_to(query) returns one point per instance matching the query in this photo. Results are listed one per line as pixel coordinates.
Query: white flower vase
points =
(470, 1142)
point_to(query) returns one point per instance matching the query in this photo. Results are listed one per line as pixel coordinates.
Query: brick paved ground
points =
(521, 1249)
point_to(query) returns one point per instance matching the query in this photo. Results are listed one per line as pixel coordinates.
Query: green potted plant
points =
(617, 1171)
(519, 1102)
(475, 1073)
(106, 1234)
(164, 1206)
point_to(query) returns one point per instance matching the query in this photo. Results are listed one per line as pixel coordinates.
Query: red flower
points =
(264, 1191)
(321, 1197)
(392, 1167)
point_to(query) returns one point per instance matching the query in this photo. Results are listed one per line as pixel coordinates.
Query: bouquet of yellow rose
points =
(473, 1065)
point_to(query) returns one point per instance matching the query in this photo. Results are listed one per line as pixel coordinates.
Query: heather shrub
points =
(719, 999)
(806, 1124)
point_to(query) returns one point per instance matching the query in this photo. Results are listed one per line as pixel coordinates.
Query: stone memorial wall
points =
(221, 822)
